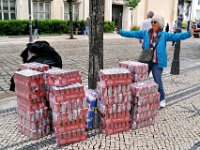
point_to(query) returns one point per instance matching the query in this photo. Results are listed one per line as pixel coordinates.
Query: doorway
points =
(117, 12)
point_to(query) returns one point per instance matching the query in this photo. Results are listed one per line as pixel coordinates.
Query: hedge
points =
(109, 26)
(21, 27)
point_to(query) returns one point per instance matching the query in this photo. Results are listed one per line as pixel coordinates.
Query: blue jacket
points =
(161, 47)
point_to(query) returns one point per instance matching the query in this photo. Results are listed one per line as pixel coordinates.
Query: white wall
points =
(195, 7)
(86, 10)
(126, 18)
(157, 6)
(81, 10)
(108, 10)
(22, 13)
(57, 9)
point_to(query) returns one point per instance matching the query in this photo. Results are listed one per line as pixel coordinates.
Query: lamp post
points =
(30, 21)
(175, 69)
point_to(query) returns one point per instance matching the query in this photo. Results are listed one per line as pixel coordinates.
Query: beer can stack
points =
(38, 67)
(114, 103)
(31, 105)
(60, 77)
(34, 66)
(68, 104)
(146, 101)
(91, 98)
(146, 97)
(138, 70)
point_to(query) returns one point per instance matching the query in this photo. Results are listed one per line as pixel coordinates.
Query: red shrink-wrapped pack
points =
(34, 66)
(28, 78)
(144, 88)
(62, 93)
(34, 134)
(59, 77)
(31, 104)
(138, 70)
(71, 137)
(116, 76)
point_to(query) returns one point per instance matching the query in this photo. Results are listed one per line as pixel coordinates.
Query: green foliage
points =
(109, 26)
(13, 27)
(53, 26)
(135, 28)
(131, 3)
(21, 27)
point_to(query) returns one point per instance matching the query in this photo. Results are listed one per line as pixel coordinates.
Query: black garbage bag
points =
(44, 53)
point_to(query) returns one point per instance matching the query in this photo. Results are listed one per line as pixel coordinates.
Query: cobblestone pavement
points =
(177, 126)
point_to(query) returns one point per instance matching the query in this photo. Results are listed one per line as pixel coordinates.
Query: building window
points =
(41, 10)
(75, 11)
(197, 14)
(7, 9)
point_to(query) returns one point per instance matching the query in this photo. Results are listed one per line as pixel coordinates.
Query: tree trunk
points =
(175, 69)
(95, 41)
(71, 19)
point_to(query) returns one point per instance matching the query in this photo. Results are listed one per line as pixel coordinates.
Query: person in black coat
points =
(167, 28)
(36, 29)
(40, 52)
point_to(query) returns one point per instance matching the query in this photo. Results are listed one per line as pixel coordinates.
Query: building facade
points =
(115, 10)
(192, 10)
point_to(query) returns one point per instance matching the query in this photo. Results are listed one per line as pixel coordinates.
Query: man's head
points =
(150, 14)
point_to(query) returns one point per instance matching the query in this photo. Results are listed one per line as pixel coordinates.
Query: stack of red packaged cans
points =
(68, 104)
(146, 101)
(138, 70)
(31, 105)
(59, 77)
(34, 66)
(114, 103)
(146, 97)
(38, 67)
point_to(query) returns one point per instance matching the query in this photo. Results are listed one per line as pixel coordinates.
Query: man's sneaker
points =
(162, 104)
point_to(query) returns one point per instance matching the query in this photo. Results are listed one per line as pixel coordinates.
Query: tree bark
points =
(95, 41)
(175, 69)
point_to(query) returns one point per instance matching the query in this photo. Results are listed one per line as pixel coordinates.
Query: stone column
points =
(108, 10)
(22, 13)
(56, 9)
(146, 8)
(126, 18)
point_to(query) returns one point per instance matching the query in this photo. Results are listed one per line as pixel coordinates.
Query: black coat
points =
(45, 54)
(167, 28)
